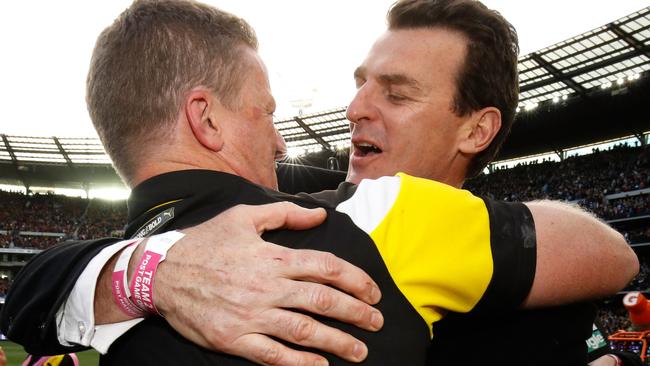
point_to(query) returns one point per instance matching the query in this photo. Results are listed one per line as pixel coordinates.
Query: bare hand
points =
(226, 289)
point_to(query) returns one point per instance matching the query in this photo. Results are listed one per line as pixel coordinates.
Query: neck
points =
(456, 181)
(175, 161)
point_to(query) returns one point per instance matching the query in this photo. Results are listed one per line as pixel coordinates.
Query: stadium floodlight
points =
(565, 97)
(620, 81)
(531, 106)
(606, 85)
(556, 99)
(518, 109)
(295, 152)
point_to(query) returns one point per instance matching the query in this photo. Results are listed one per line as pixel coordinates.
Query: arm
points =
(481, 254)
(578, 256)
(211, 292)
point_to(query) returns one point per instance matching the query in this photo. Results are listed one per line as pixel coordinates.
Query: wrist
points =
(143, 270)
(120, 285)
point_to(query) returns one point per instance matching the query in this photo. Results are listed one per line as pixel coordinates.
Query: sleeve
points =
(514, 253)
(76, 318)
(437, 244)
(40, 289)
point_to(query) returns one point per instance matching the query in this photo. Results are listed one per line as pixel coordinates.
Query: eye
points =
(358, 82)
(395, 98)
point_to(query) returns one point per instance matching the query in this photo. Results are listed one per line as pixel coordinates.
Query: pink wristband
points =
(119, 286)
(142, 281)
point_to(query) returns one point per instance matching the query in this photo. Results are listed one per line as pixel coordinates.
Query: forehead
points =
(254, 69)
(428, 55)
(256, 81)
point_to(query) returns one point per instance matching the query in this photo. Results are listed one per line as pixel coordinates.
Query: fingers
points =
(305, 331)
(322, 267)
(282, 215)
(331, 303)
(265, 351)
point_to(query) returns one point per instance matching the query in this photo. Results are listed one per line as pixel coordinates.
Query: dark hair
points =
(488, 76)
(148, 59)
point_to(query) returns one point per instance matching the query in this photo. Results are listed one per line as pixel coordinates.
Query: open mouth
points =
(365, 149)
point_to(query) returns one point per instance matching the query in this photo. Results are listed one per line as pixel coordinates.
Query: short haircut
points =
(144, 64)
(488, 76)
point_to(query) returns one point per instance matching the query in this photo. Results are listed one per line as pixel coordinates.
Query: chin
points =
(356, 177)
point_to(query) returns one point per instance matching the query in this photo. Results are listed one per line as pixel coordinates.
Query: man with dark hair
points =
(482, 83)
(444, 249)
(437, 96)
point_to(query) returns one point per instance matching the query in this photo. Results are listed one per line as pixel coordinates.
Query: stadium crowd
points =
(612, 317)
(590, 177)
(586, 180)
(41, 220)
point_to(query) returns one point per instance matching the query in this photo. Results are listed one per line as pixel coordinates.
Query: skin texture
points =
(404, 106)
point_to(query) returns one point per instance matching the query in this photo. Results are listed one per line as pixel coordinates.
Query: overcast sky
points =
(310, 47)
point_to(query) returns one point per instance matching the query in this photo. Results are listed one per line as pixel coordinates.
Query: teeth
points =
(365, 144)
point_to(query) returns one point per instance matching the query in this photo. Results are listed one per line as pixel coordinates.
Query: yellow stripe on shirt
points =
(435, 241)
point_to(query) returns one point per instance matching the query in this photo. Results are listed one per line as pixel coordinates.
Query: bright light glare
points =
(531, 106)
(112, 194)
(341, 145)
(295, 152)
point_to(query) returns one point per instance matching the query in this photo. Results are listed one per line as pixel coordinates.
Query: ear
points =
(200, 107)
(483, 126)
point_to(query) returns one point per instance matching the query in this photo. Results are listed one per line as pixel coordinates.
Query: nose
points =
(361, 107)
(280, 147)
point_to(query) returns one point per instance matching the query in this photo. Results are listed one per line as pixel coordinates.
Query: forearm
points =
(578, 256)
(105, 309)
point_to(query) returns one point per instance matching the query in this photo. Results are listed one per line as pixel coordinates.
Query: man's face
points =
(401, 117)
(251, 141)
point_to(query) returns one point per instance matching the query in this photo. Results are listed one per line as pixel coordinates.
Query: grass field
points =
(16, 355)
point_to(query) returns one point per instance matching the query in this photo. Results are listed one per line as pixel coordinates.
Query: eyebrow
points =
(391, 79)
(400, 79)
(270, 104)
(360, 72)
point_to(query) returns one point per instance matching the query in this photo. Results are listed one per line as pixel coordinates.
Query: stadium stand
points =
(41, 220)
(613, 184)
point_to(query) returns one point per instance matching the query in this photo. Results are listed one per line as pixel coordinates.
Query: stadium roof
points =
(598, 58)
(576, 70)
